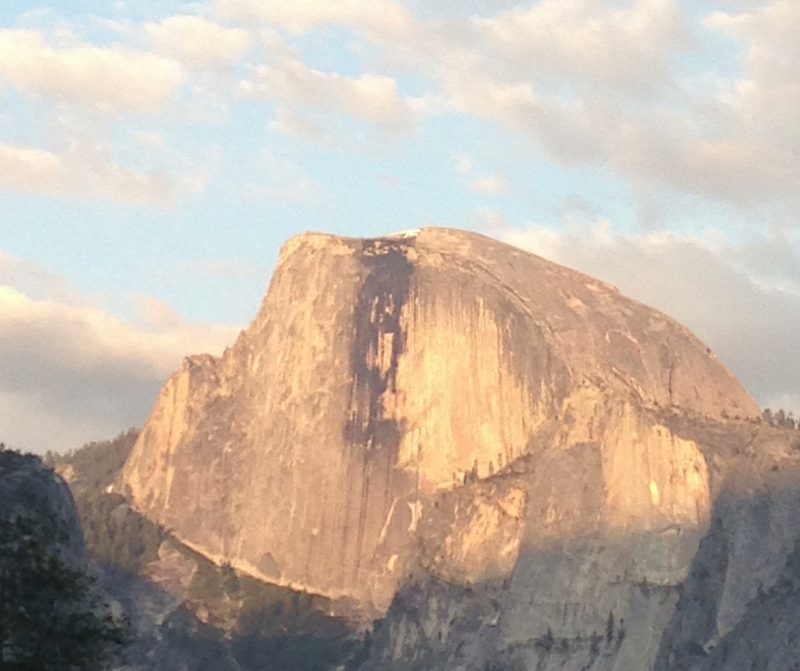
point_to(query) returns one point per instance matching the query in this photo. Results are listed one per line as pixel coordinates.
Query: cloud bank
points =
(72, 372)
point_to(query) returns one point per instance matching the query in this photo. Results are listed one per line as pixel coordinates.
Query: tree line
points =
(781, 419)
(114, 532)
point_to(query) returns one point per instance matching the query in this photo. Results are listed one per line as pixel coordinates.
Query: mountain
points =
(507, 461)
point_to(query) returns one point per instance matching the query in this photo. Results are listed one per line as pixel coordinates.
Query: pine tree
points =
(51, 615)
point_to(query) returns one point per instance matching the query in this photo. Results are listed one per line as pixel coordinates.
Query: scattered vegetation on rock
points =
(780, 419)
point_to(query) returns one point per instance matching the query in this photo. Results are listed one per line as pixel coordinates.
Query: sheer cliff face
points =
(381, 375)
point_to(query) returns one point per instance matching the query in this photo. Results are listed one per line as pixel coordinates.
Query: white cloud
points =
(654, 145)
(728, 293)
(372, 98)
(760, 107)
(289, 122)
(108, 79)
(563, 47)
(155, 314)
(490, 220)
(83, 172)
(493, 185)
(32, 170)
(622, 47)
(72, 372)
(31, 279)
(197, 42)
(463, 164)
(304, 15)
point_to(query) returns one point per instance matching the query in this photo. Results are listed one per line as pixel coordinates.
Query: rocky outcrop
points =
(518, 459)
(28, 487)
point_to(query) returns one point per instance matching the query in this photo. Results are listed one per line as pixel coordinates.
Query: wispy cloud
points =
(277, 177)
(149, 138)
(371, 98)
(606, 84)
(83, 172)
(602, 44)
(198, 42)
(463, 164)
(289, 122)
(304, 15)
(493, 185)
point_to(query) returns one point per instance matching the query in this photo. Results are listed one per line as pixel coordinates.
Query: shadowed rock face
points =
(27, 486)
(327, 448)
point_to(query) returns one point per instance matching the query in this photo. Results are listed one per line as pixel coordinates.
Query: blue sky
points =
(154, 156)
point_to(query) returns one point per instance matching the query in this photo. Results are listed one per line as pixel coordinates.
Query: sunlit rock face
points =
(438, 401)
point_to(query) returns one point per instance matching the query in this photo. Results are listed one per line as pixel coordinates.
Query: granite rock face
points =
(738, 606)
(676, 598)
(379, 372)
(523, 454)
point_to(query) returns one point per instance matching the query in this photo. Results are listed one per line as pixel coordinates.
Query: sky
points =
(155, 155)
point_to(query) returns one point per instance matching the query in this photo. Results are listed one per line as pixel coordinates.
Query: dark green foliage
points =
(278, 629)
(293, 653)
(264, 610)
(95, 465)
(270, 610)
(51, 617)
(112, 530)
(116, 533)
(230, 581)
(780, 419)
(206, 583)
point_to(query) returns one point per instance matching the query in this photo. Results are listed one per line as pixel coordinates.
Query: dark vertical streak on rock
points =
(377, 314)
(374, 439)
